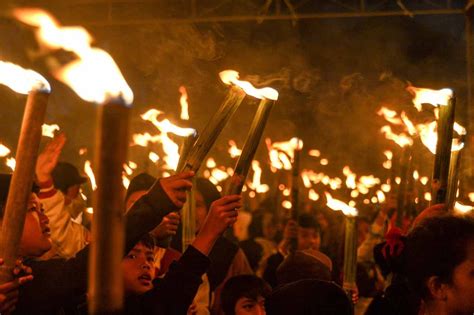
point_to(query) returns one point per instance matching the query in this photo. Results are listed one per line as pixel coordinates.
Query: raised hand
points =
(9, 290)
(48, 158)
(175, 187)
(167, 227)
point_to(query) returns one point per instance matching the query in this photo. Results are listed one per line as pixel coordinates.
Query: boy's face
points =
(308, 238)
(138, 270)
(36, 238)
(246, 306)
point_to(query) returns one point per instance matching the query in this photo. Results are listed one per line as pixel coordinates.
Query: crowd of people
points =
(273, 265)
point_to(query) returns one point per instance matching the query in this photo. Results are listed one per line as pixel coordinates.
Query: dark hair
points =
(253, 251)
(208, 191)
(299, 266)
(142, 181)
(435, 248)
(148, 241)
(306, 220)
(248, 286)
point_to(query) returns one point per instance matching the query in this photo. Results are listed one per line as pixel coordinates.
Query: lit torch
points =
(445, 101)
(210, 133)
(350, 242)
(38, 89)
(96, 78)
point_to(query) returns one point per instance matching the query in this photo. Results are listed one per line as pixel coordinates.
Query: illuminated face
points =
(36, 238)
(138, 270)
(308, 238)
(460, 292)
(246, 306)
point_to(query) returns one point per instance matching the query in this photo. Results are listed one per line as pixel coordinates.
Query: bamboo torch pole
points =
(443, 150)
(453, 179)
(295, 193)
(22, 181)
(405, 162)
(210, 133)
(105, 282)
(254, 135)
(350, 256)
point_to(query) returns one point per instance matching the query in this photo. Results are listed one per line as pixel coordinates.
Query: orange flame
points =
(90, 174)
(256, 183)
(22, 80)
(429, 136)
(183, 101)
(338, 205)
(153, 157)
(11, 163)
(402, 139)
(313, 195)
(408, 123)
(350, 177)
(389, 115)
(314, 152)
(232, 77)
(233, 150)
(48, 130)
(94, 76)
(4, 151)
(429, 96)
(462, 208)
(211, 163)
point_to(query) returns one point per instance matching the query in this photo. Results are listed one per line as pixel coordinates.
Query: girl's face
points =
(460, 293)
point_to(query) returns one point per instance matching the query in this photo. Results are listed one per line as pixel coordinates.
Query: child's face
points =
(138, 270)
(36, 238)
(246, 306)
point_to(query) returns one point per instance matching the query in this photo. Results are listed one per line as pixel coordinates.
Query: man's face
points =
(246, 306)
(461, 291)
(36, 238)
(308, 238)
(138, 270)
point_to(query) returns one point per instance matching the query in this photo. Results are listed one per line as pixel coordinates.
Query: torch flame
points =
(350, 177)
(313, 195)
(183, 101)
(4, 151)
(11, 163)
(22, 80)
(48, 130)
(233, 150)
(94, 76)
(338, 205)
(429, 136)
(389, 115)
(402, 139)
(429, 96)
(232, 77)
(280, 153)
(459, 207)
(90, 174)
(256, 183)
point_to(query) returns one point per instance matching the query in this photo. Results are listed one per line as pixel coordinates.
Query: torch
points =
(295, 192)
(268, 97)
(405, 162)
(38, 89)
(350, 243)
(96, 78)
(217, 123)
(453, 177)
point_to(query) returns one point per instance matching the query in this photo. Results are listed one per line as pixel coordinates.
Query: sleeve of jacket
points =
(175, 292)
(68, 237)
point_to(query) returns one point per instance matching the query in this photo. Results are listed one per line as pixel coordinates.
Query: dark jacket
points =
(62, 284)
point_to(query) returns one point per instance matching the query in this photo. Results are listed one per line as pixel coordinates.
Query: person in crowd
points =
(244, 295)
(309, 297)
(59, 193)
(227, 259)
(254, 253)
(308, 264)
(307, 233)
(61, 284)
(430, 269)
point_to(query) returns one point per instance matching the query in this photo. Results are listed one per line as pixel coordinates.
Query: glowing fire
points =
(90, 174)
(211, 163)
(94, 76)
(409, 124)
(22, 80)
(233, 150)
(350, 177)
(4, 151)
(459, 207)
(11, 163)
(380, 196)
(428, 96)
(48, 130)
(286, 204)
(429, 136)
(401, 139)
(153, 157)
(315, 153)
(313, 195)
(183, 101)
(390, 116)
(232, 77)
(338, 205)
(256, 183)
